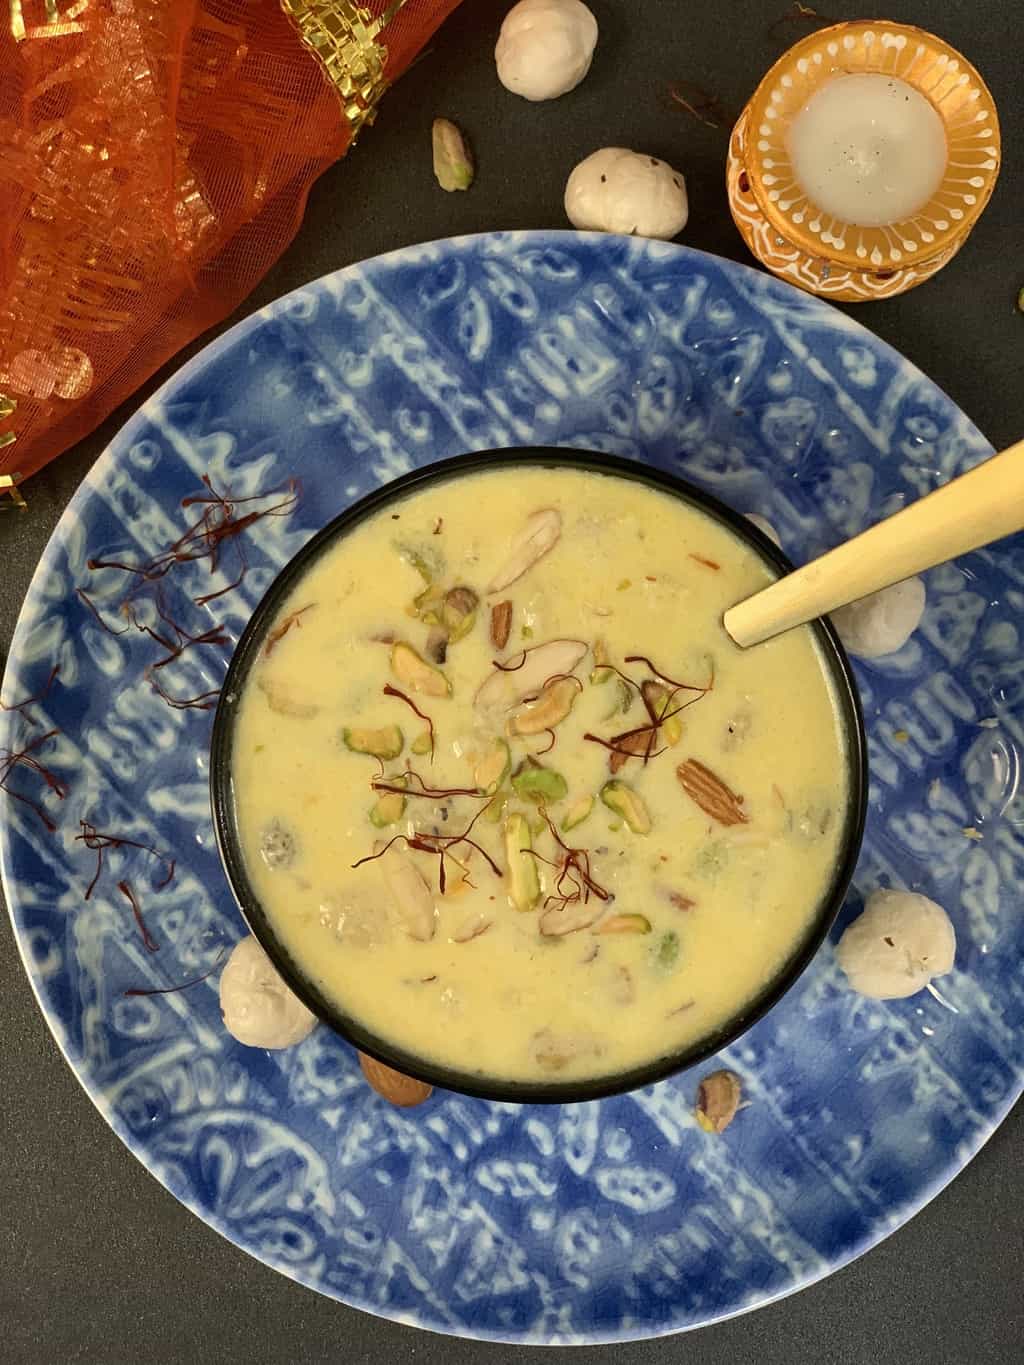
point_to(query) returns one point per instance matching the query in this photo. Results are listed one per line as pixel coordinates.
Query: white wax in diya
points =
(868, 149)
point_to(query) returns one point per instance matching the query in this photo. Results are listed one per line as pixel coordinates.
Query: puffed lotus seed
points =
(545, 48)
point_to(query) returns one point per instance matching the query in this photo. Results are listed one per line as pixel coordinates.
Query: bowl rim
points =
(247, 652)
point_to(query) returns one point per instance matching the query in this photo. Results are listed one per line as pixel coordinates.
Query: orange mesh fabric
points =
(155, 158)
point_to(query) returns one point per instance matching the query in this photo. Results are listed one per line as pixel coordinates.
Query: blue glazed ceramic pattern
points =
(590, 1222)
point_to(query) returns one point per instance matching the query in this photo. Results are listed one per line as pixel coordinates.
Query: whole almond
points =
(398, 1089)
(710, 793)
(718, 1100)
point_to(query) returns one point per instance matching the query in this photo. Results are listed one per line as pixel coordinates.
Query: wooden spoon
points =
(980, 506)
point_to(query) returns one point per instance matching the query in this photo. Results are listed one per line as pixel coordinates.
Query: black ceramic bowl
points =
(559, 1091)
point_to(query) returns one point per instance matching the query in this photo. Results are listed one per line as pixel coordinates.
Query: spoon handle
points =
(973, 510)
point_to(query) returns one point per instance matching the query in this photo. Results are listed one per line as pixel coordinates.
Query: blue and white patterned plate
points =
(592, 1222)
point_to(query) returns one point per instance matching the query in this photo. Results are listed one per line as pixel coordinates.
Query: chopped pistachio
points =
(421, 744)
(426, 561)
(666, 951)
(453, 161)
(577, 813)
(602, 671)
(624, 924)
(494, 811)
(489, 771)
(524, 883)
(426, 606)
(711, 859)
(718, 1099)
(383, 743)
(458, 612)
(623, 800)
(622, 700)
(535, 783)
(547, 711)
(659, 699)
(389, 807)
(416, 673)
(436, 648)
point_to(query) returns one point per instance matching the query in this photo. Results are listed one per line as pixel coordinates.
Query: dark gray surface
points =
(97, 1262)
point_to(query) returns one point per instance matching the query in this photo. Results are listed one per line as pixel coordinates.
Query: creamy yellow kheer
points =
(509, 794)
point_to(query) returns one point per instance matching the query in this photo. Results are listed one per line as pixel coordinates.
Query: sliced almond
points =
(577, 813)
(411, 895)
(394, 1086)
(489, 768)
(538, 536)
(501, 623)
(505, 687)
(558, 921)
(472, 928)
(711, 794)
(550, 708)
(281, 699)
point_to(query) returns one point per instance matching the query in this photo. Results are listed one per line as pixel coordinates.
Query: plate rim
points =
(414, 254)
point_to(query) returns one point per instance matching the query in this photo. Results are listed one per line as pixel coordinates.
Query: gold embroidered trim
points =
(54, 25)
(9, 485)
(342, 36)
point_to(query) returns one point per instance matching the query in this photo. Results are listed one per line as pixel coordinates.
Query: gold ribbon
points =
(342, 36)
(9, 484)
(7, 438)
(54, 25)
(10, 495)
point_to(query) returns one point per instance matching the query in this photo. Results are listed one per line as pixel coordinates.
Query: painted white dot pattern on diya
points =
(958, 173)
